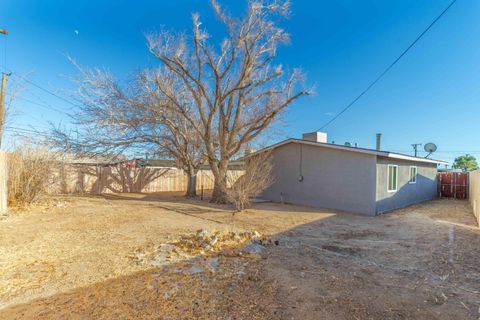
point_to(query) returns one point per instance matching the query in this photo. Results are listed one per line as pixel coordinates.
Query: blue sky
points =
(431, 95)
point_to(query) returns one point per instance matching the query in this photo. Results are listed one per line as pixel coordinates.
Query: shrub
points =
(30, 171)
(257, 177)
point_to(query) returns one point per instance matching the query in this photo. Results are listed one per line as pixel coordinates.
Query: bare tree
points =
(257, 176)
(116, 118)
(237, 91)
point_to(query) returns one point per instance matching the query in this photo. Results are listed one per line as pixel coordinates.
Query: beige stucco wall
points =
(474, 193)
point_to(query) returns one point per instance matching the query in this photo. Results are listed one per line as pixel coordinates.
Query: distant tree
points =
(465, 163)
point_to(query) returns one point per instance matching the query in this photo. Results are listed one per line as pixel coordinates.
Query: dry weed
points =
(30, 172)
(256, 178)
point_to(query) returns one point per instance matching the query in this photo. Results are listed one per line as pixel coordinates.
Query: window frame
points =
(410, 175)
(388, 178)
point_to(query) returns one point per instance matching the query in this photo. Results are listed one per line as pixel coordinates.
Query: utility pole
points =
(415, 147)
(2, 105)
(2, 96)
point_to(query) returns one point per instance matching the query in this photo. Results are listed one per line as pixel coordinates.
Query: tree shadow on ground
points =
(408, 264)
(177, 199)
(168, 292)
(117, 179)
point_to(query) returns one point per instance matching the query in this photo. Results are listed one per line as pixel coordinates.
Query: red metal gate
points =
(453, 185)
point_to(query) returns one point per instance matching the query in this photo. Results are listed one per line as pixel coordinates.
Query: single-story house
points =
(315, 173)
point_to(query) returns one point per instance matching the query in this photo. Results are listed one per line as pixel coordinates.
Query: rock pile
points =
(204, 243)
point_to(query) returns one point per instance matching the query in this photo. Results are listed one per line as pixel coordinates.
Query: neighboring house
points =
(93, 160)
(316, 173)
(233, 165)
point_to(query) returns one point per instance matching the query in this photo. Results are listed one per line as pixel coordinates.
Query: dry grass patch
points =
(30, 174)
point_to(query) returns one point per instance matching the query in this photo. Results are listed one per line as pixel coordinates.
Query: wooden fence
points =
(453, 185)
(474, 193)
(97, 180)
(3, 182)
(92, 179)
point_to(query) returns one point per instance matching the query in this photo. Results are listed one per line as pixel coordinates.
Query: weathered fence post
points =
(474, 193)
(3, 182)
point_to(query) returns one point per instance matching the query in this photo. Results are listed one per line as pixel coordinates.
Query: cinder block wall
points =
(474, 193)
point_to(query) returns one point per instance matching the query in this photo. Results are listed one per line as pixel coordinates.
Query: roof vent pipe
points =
(379, 141)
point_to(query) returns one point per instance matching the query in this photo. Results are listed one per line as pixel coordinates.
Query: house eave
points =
(350, 149)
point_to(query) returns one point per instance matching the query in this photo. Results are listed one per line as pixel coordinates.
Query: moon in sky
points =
(76, 32)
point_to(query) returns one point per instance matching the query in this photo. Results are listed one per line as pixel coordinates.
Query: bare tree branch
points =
(237, 90)
(152, 113)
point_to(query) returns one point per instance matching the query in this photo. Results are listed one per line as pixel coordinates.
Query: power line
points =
(448, 151)
(46, 106)
(388, 68)
(40, 87)
(45, 90)
(30, 115)
(26, 131)
(29, 126)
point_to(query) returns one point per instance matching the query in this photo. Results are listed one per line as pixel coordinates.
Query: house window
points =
(413, 175)
(392, 178)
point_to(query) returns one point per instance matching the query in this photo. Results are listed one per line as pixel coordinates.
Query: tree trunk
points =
(191, 184)
(218, 194)
(220, 183)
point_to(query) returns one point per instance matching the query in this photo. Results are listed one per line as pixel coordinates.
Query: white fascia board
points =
(415, 159)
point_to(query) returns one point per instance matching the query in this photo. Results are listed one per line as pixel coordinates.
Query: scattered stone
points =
(160, 259)
(195, 270)
(254, 248)
(166, 247)
(213, 264)
(202, 233)
(60, 204)
(214, 241)
(203, 243)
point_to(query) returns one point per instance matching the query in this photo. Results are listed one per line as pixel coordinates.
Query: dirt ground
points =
(73, 260)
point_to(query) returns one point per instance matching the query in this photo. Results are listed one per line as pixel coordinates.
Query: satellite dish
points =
(430, 148)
